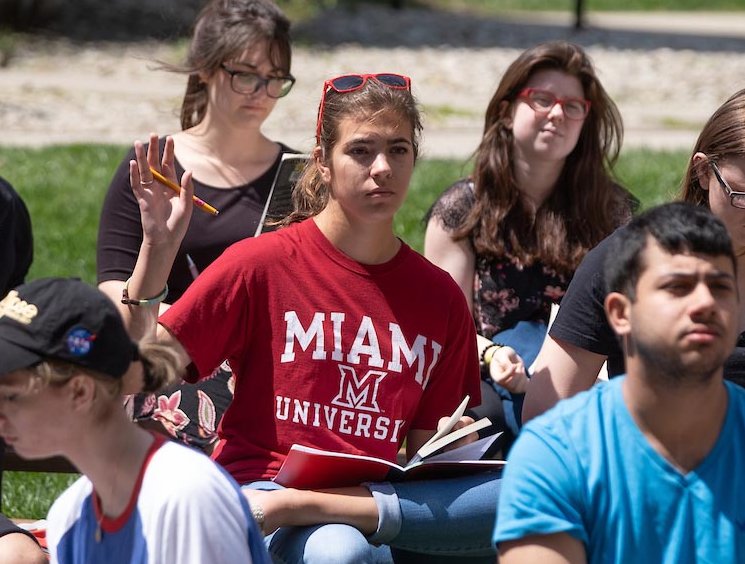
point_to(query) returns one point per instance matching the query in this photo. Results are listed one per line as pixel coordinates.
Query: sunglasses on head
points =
(352, 82)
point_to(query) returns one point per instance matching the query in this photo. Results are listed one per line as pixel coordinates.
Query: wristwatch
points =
(258, 515)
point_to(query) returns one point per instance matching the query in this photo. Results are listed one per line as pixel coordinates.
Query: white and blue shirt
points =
(184, 509)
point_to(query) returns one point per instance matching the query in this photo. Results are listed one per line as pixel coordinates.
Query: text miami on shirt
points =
(354, 409)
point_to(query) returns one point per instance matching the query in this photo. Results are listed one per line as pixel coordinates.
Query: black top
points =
(120, 228)
(505, 291)
(581, 320)
(16, 254)
(16, 241)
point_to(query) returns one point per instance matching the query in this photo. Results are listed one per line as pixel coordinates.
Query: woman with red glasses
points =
(341, 337)
(238, 66)
(581, 339)
(540, 196)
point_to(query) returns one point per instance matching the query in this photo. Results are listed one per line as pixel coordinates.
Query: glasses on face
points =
(543, 101)
(736, 199)
(244, 82)
(352, 82)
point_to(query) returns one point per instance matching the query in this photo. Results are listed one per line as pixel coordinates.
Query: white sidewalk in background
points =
(62, 93)
(717, 24)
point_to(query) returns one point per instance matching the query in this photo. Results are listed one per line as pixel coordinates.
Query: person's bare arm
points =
(353, 506)
(559, 548)
(17, 548)
(456, 257)
(165, 217)
(560, 370)
(138, 325)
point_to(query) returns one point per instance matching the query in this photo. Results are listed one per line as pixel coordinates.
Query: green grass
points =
(64, 187)
(30, 495)
(653, 176)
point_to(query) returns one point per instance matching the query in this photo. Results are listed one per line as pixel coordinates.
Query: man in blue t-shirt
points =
(646, 467)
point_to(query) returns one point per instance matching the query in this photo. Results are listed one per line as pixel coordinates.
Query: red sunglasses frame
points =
(330, 84)
(526, 92)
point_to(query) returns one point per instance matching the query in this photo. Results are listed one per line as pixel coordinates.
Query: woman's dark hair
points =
(723, 136)
(223, 30)
(677, 227)
(372, 102)
(586, 204)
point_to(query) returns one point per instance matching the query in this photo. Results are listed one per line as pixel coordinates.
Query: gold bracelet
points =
(147, 301)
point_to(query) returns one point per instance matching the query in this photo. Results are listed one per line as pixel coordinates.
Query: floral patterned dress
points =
(505, 292)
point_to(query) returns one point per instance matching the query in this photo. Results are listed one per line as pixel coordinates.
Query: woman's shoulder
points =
(285, 240)
(430, 277)
(453, 205)
(67, 506)
(204, 475)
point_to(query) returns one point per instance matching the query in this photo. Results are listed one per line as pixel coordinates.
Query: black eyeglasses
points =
(543, 101)
(244, 82)
(736, 199)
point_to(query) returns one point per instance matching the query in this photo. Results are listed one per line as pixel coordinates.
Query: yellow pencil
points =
(201, 204)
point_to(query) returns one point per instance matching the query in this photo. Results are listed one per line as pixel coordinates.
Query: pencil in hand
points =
(201, 204)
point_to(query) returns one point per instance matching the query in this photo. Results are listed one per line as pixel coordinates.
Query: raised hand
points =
(165, 214)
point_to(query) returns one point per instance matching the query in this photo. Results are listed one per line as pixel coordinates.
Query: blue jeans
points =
(448, 520)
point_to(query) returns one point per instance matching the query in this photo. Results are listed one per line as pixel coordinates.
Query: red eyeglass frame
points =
(378, 77)
(526, 92)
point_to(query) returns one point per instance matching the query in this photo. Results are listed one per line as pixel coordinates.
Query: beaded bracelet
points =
(147, 301)
(486, 355)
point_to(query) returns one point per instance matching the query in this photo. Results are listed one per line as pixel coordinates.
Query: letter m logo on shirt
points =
(358, 392)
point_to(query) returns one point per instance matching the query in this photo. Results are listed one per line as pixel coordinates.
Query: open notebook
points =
(279, 203)
(312, 468)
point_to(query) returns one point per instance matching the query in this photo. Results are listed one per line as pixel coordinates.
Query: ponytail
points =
(160, 366)
(194, 106)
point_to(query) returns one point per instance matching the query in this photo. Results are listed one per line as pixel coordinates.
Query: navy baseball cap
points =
(63, 319)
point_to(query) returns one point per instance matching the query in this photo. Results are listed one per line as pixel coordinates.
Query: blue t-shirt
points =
(584, 468)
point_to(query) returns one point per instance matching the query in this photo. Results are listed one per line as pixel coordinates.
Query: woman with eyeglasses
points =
(580, 340)
(540, 196)
(238, 66)
(341, 337)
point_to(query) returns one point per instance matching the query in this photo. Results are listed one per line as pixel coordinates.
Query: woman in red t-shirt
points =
(341, 338)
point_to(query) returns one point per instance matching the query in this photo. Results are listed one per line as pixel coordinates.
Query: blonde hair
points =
(159, 365)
